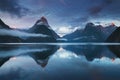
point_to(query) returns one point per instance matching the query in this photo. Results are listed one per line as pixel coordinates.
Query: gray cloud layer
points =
(12, 7)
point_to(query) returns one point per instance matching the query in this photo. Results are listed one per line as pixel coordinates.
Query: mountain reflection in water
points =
(59, 62)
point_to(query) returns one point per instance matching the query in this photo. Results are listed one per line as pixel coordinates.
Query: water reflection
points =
(59, 62)
(115, 50)
(91, 51)
(39, 53)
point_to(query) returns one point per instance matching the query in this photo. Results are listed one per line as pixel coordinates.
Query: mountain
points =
(3, 25)
(42, 27)
(7, 38)
(91, 33)
(115, 36)
(42, 32)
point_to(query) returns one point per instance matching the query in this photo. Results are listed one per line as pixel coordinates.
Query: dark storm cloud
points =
(12, 7)
(97, 9)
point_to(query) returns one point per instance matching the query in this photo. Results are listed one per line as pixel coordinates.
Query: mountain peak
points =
(3, 25)
(113, 24)
(42, 21)
(1, 22)
(90, 24)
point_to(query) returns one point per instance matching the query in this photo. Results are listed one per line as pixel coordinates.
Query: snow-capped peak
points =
(42, 21)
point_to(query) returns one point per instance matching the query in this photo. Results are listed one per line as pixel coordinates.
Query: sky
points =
(62, 15)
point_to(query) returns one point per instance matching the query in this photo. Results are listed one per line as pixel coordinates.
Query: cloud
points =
(63, 12)
(80, 21)
(97, 9)
(93, 10)
(12, 7)
(20, 33)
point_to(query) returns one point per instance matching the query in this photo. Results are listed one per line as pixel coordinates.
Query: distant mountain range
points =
(42, 32)
(91, 33)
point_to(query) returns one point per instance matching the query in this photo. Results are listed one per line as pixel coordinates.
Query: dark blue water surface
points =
(59, 62)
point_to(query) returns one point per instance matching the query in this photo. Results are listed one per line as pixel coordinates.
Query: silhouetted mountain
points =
(7, 38)
(91, 33)
(3, 25)
(42, 27)
(115, 36)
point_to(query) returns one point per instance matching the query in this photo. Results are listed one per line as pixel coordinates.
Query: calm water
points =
(59, 62)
